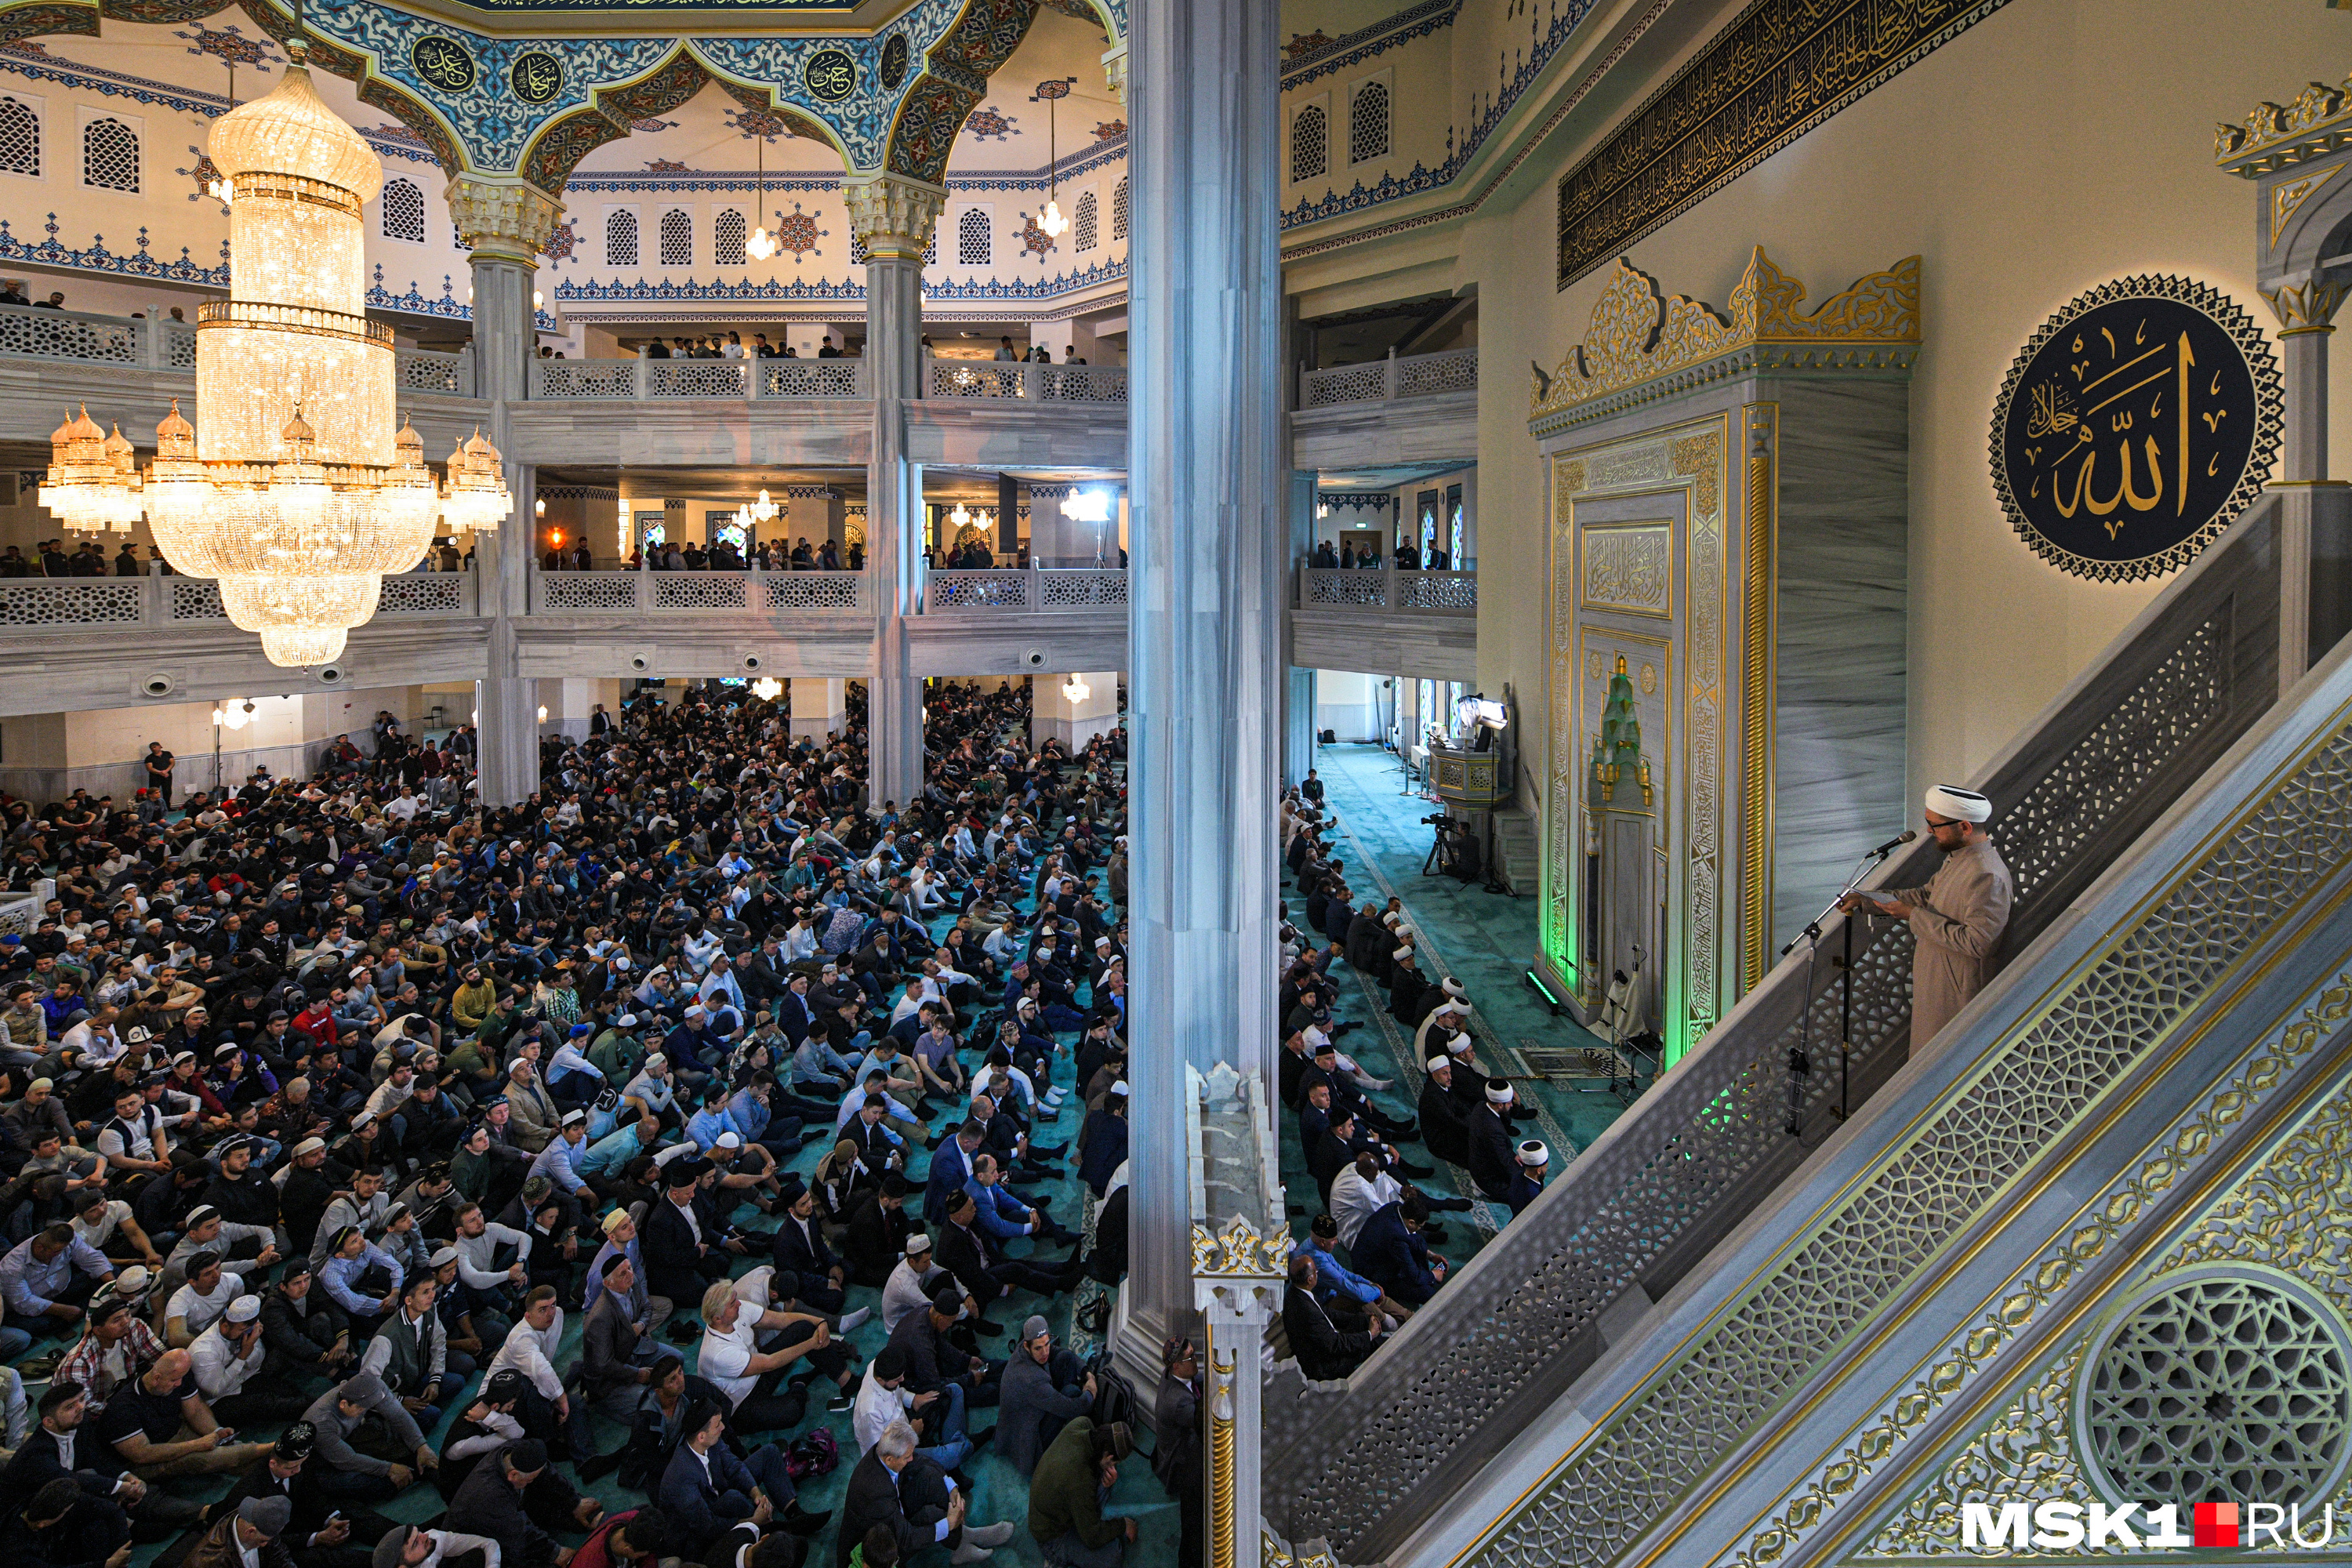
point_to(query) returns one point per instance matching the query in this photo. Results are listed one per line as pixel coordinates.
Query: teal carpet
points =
(1484, 940)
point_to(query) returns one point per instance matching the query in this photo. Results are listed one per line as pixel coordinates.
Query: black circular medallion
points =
(831, 76)
(442, 62)
(894, 62)
(535, 76)
(2135, 426)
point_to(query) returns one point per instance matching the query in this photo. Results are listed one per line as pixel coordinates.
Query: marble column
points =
(505, 224)
(2315, 511)
(894, 217)
(1206, 542)
(818, 707)
(1297, 685)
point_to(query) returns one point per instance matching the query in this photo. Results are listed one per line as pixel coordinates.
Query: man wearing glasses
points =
(1956, 920)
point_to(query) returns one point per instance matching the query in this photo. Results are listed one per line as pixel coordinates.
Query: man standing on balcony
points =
(1958, 918)
(159, 770)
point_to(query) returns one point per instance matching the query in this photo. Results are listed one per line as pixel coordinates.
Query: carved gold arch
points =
(559, 145)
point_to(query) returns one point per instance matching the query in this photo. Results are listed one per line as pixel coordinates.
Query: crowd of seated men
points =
(1366, 1264)
(353, 1140)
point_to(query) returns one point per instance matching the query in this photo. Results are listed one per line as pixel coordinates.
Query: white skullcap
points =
(728, 1140)
(1440, 1060)
(1965, 805)
(918, 1242)
(243, 1310)
(1532, 1152)
(1453, 1009)
(1400, 954)
(1499, 1094)
(1452, 986)
(1120, 1087)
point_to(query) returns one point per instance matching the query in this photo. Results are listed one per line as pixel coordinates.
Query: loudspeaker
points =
(158, 685)
(1033, 658)
(752, 663)
(641, 662)
(328, 675)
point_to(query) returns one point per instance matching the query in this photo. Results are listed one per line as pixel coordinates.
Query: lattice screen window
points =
(677, 238)
(621, 238)
(109, 155)
(20, 137)
(858, 255)
(727, 233)
(931, 247)
(403, 211)
(1119, 209)
(1310, 136)
(974, 246)
(1083, 227)
(1367, 123)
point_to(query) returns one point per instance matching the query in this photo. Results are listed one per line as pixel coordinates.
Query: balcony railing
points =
(1380, 380)
(42, 604)
(666, 379)
(1034, 382)
(690, 592)
(1344, 588)
(1036, 588)
(78, 337)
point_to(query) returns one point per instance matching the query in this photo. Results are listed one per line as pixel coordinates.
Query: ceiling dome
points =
(292, 132)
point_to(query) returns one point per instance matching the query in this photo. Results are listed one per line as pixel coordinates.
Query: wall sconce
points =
(542, 712)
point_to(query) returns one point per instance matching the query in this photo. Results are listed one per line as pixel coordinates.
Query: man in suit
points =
(878, 1229)
(1445, 1124)
(61, 1449)
(680, 1257)
(1494, 1158)
(965, 1253)
(917, 1502)
(1391, 1252)
(804, 1264)
(950, 1170)
(1325, 1353)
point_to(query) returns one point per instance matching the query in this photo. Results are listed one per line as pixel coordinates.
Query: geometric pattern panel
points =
(1310, 144)
(2219, 1388)
(701, 591)
(1064, 589)
(976, 590)
(621, 238)
(403, 211)
(976, 245)
(1119, 209)
(1083, 227)
(69, 603)
(110, 156)
(815, 591)
(809, 378)
(197, 599)
(1367, 123)
(423, 594)
(1985, 1133)
(20, 137)
(588, 590)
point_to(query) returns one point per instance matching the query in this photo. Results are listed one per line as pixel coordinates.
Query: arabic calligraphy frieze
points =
(2136, 427)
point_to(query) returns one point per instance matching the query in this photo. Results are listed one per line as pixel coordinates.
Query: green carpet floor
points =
(1486, 941)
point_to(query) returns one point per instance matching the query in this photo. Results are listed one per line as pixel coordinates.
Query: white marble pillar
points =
(1297, 685)
(818, 707)
(505, 224)
(1207, 531)
(894, 216)
(2315, 511)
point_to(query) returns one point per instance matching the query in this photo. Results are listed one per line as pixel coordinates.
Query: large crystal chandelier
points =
(298, 495)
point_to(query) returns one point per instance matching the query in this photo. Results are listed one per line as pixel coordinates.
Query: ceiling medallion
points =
(831, 76)
(2135, 426)
(894, 62)
(440, 61)
(535, 76)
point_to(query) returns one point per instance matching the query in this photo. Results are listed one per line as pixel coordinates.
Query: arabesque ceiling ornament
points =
(1638, 338)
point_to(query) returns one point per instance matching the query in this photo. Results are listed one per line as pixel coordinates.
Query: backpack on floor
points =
(814, 1453)
(1114, 1395)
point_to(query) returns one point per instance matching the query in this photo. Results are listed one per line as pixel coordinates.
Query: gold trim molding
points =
(1638, 336)
(2316, 123)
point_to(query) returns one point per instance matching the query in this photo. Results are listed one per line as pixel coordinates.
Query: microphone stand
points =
(1799, 1062)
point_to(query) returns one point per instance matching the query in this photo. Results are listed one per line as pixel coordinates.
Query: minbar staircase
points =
(1576, 1384)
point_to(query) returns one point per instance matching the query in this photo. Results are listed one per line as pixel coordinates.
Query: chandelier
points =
(1051, 220)
(299, 495)
(750, 514)
(761, 245)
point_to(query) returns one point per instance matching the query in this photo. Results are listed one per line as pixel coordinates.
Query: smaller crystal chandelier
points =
(768, 688)
(1076, 690)
(764, 510)
(761, 245)
(1051, 220)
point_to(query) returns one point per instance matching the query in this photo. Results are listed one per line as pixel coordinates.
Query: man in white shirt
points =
(529, 1349)
(198, 1304)
(752, 1379)
(912, 1283)
(227, 1355)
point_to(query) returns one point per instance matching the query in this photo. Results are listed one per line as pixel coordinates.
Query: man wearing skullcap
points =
(1493, 1160)
(1958, 918)
(228, 1357)
(1533, 1159)
(320, 1529)
(1444, 1119)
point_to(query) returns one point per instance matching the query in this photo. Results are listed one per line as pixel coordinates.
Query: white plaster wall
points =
(1348, 703)
(2015, 162)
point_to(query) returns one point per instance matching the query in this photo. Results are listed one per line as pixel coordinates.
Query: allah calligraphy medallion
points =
(535, 76)
(2135, 426)
(443, 62)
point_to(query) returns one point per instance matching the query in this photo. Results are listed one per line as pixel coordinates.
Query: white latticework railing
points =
(702, 590)
(568, 378)
(423, 369)
(1048, 383)
(1419, 375)
(558, 591)
(698, 378)
(1063, 589)
(177, 345)
(196, 599)
(976, 590)
(20, 912)
(29, 333)
(73, 602)
(1323, 586)
(426, 593)
(811, 377)
(1437, 590)
(812, 590)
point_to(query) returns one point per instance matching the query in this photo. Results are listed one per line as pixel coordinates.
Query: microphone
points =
(1892, 845)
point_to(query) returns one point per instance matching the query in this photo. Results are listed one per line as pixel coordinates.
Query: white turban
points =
(1962, 805)
(1440, 1060)
(1400, 956)
(1498, 1094)
(1532, 1152)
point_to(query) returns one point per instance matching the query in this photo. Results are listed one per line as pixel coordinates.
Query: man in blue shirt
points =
(1335, 1281)
(645, 1311)
(1003, 1217)
(37, 1278)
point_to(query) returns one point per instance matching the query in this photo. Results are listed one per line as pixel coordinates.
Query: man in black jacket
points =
(895, 1487)
(965, 1253)
(877, 1236)
(61, 1449)
(298, 1324)
(320, 1530)
(505, 1500)
(1324, 1352)
(679, 1259)
(1493, 1153)
(1444, 1127)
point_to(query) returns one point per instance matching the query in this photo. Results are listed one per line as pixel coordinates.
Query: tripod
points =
(1799, 1058)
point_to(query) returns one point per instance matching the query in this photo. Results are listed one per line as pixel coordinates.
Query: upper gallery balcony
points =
(1415, 409)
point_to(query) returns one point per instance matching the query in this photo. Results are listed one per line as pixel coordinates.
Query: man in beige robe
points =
(1958, 918)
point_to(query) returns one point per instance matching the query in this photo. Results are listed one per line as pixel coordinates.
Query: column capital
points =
(2308, 306)
(503, 218)
(893, 216)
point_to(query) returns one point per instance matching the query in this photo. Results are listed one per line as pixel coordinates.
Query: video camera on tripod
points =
(1455, 851)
